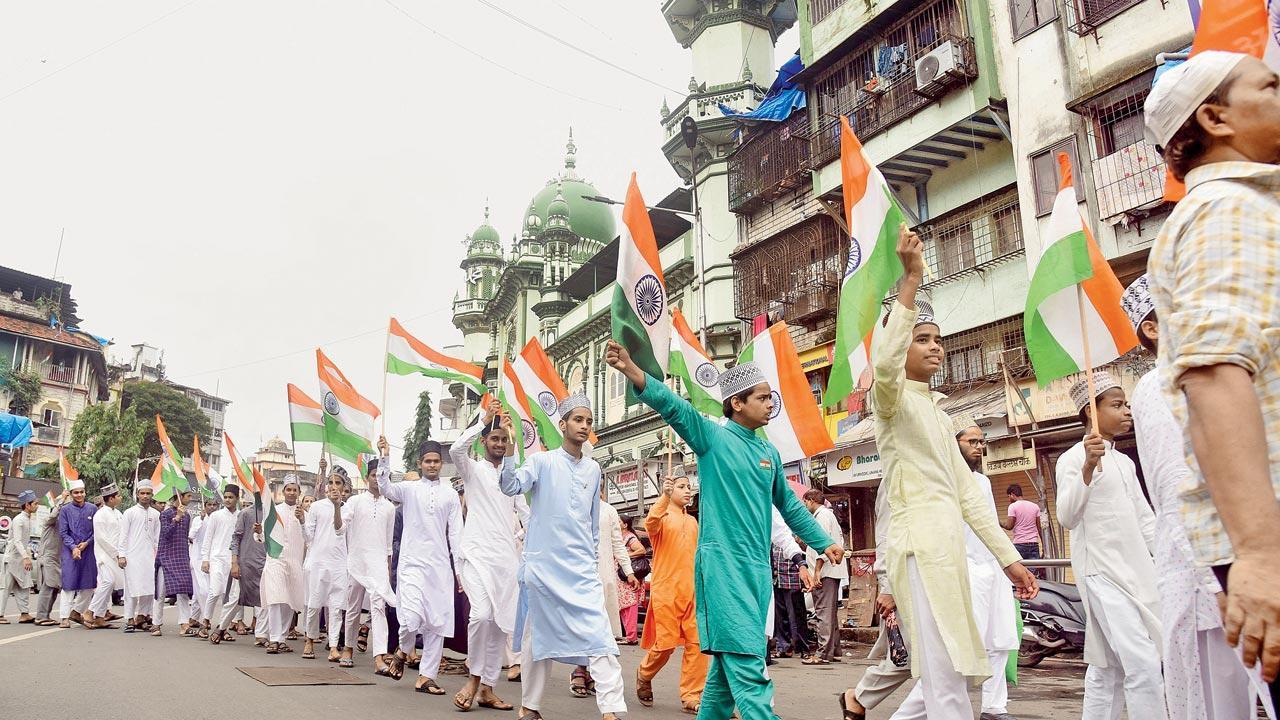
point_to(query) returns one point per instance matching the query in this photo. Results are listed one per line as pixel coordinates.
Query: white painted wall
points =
(719, 51)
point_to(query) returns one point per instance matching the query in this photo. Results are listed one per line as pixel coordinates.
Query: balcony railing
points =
(702, 104)
(773, 160)
(975, 355)
(875, 84)
(798, 270)
(1128, 172)
(973, 235)
(473, 305)
(59, 374)
(1084, 16)
(820, 9)
(48, 434)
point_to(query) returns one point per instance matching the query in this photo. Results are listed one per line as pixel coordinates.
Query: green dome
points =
(587, 219)
(486, 233)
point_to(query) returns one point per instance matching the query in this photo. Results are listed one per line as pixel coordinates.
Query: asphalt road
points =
(48, 673)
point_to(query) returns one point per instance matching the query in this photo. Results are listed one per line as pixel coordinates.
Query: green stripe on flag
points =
(400, 367)
(547, 430)
(306, 432)
(629, 331)
(342, 442)
(1063, 264)
(860, 297)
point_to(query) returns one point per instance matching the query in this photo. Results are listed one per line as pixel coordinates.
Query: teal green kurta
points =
(739, 476)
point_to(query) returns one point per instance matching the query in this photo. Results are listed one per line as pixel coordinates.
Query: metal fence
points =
(1127, 171)
(798, 269)
(773, 160)
(974, 234)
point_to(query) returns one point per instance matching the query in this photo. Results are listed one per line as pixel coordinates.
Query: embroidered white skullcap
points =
(742, 376)
(962, 422)
(573, 402)
(144, 485)
(1179, 91)
(76, 484)
(1102, 382)
(291, 479)
(1137, 302)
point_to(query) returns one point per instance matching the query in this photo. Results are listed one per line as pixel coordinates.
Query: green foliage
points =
(105, 444)
(419, 433)
(24, 388)
(182, 418)
(48, 471)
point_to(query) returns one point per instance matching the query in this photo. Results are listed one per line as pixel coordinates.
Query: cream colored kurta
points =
(931, 497)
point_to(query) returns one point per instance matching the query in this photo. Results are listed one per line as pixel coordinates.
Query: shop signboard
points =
(855, 465)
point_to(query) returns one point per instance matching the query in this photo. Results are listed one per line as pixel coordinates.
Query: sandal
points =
(46, 622)
(156, 632)
(395, 670)
(578, 682)
(689, 708)
(644, 690)
(227, 636)
(334, 655)
(413, 661)
(215, 637)
(346, 663)
(429, 687)
(514, 674)
(846, 712)
(531, 715)
(4, 620)
(813, 660)
(309, 651)
(284, 648)
(26, 619)
(495, 704)
(273, 649)
(464, 704)
(362, 639)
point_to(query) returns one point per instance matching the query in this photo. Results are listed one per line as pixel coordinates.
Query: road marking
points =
(37, 633)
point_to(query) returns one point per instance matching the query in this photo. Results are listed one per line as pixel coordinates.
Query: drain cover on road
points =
(274, 676)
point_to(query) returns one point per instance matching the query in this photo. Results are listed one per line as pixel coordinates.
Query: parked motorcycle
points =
(1052, 624)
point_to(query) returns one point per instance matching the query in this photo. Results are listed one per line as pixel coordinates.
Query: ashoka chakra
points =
(777, 404)
(547, 402)
(706, 375)
(649, 299)
(530, 436)
(331, 403)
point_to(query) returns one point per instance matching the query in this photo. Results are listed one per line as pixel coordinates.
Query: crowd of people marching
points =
(1152, 579)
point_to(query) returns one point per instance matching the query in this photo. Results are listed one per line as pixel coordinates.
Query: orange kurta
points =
(670, 621)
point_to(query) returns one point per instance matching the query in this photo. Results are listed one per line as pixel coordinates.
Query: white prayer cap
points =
(291, 479)
(75, 485)
(1137, 302)
(143, 485)
(1180, 90)
(1102, 382)
(106, 491)
(962, 422)
(573, 402)
(742, 376)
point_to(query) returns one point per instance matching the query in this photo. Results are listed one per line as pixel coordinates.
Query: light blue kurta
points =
(561, 595)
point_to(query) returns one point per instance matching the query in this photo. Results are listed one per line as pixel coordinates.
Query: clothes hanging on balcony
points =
(891, 61)
(784, 97)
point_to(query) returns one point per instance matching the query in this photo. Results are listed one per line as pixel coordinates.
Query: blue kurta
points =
(559, 581)
(739, 477)
(75, 525)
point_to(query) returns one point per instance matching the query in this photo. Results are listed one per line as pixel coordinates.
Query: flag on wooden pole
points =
(796, 427)
(1057, 310)
(407, 355)
(66, 471)
(689, 362)
(169, 480)
(544, 389)
(243, 472)
(515, 402)
(273, 534)
(306, 418)
(873, 217)
(638, 317)
(348, 416)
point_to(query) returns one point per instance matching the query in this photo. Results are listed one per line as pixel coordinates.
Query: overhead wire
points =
(497, 64)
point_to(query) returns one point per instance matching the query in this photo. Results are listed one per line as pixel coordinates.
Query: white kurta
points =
(215, 549)
(1112, 533)
(432, 532)
(489, 548)
(326, 548)
(610, 554)
(993, 604)
(283, 579)
(106, 543)
(1188, 594)
(139, 538)
(369, 524)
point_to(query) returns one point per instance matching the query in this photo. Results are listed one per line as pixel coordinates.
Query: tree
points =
(105, 444)
(24, 388)
(182, 417)
(419, 433)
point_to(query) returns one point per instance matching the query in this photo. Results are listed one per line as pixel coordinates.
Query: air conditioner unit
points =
(939, 67)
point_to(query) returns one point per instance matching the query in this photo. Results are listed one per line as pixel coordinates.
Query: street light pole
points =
(689, 131)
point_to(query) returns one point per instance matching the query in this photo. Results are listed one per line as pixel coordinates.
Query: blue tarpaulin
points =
(15, 430)
(784, 97)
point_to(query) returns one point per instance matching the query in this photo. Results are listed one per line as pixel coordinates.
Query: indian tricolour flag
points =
(172, 480)
(306, 418)
(348, 416)
(638, 315)
(273, 534)
(1072, 286)
(407, 355)
(49, 500)
(202, 471)
(66, 471)
(243, 472)
(544, 388)
(693, 365)
(873, 267)
(795, 427)
(515, 402)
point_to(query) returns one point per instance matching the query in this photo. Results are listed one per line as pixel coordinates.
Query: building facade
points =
(963, 105)
(38, 332)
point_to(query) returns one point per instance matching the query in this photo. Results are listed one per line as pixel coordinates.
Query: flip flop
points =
(495, 705)
(578, 683)
(464, 706)
(28, 621)
(813, 660)
(531, 715)
(430, 688)
(846, 712)
(4, 620)
(689, 708)
(346, 663)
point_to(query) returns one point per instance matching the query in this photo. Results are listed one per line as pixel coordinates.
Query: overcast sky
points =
(241, 182)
